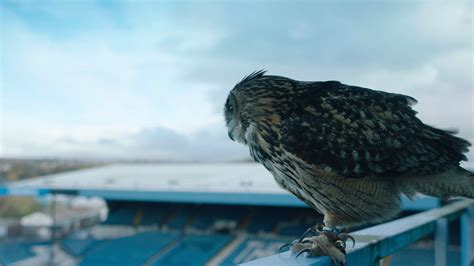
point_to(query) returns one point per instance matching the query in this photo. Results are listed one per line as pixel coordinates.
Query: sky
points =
(148, 79)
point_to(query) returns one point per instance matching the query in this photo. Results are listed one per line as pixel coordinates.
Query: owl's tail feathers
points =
(457, 182)
(470, 183)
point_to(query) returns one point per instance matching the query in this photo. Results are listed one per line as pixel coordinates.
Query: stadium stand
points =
(303, 220)
(11, 252)
(181, 217)
(194, 250)
(169, 215)
(266, 219)
(78, 247)
(133, 250)
(294, 229)
(121, 216)
(210, 215)
(253, 248)
(207, 228)
(152, 215)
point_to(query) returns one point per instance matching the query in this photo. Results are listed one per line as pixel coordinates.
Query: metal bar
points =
(387, 238)
(379, 241)
(467, 237)
(441, 242)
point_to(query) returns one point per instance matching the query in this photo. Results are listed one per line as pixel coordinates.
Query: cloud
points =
(156, 143)
(90, 79)
(204, 145)
(160, 138)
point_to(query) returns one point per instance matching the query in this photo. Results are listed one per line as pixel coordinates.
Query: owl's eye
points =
(229, 105)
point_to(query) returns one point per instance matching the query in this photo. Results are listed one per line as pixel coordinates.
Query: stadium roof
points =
(248, 177)
(227, 183)
(219, 183)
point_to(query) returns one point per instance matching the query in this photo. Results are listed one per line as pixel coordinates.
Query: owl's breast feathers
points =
(357, 132)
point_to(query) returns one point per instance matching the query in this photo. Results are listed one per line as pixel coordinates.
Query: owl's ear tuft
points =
(253, 75)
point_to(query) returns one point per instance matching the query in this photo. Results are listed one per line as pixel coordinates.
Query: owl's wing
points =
(359, 132)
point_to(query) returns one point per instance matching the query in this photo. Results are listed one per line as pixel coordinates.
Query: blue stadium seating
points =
(180, 218)
(78, 247)
(11, 252)
(295, 229)
(133, 250)
(122, 216)
(153, 215)
(194, 250)
(253, 248)
(266, 220)
(209, 214)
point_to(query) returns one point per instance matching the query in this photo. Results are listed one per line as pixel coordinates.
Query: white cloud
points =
(445, 23)
(138, 87)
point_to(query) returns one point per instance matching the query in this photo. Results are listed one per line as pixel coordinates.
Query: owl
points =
(348, 152)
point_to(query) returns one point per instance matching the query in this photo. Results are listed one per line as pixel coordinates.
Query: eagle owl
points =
(348, 152)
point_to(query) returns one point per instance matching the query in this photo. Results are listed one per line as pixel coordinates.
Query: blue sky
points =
(147, 79)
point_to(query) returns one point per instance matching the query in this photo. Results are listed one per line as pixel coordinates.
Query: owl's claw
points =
(315, 230)
(306, 233)
(302, 251)
(325, 241)
(344, 237)
(287, 245)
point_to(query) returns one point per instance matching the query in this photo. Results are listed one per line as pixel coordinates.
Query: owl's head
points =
(256, 104)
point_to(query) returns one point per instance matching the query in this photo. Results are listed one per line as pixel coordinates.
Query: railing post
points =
(467, 237)
(441, 242)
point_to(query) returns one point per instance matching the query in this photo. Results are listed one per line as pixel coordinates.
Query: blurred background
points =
(121, 85)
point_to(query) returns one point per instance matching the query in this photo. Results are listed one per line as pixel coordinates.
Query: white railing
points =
(377, 242)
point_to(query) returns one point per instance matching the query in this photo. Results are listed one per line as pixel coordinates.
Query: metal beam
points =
(441, 242)
(467, 237)
(379, 241)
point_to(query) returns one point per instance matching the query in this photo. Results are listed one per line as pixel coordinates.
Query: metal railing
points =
(377, 242)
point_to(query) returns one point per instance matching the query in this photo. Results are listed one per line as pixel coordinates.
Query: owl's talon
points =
(316, 229)
(344, 237)
(303, 251)
(308, 231)
(287, 245)
(327, 242)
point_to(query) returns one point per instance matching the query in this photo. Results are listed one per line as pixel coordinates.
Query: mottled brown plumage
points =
(348, 152)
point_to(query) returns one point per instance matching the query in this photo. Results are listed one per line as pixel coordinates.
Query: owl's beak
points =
(230, 136)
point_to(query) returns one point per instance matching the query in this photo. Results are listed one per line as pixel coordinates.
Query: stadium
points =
(179, 214)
